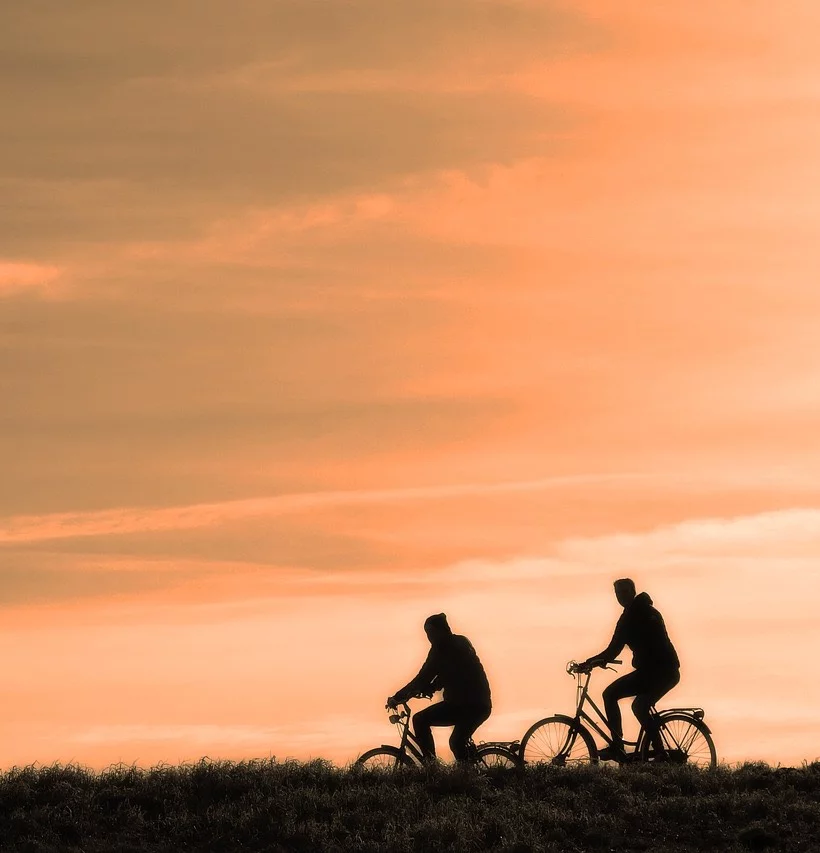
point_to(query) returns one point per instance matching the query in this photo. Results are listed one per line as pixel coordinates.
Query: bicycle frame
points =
(670, 742)
(409, 745)
(583, 697)
(581, 716)
(677, 735)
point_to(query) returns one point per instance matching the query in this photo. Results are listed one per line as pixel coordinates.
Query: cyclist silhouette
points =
(657, 668)
(452, 665)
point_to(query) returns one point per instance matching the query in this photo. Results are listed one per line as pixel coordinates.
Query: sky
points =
(320, 317)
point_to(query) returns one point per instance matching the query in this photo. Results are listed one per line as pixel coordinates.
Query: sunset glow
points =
(318, 318)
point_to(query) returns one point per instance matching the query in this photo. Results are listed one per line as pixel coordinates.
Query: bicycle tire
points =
(490, 757)
(558, 741)
(384, 758)
(687, 740)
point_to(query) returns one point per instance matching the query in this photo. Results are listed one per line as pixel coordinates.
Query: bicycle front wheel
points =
(490, 757)
(558, 741)
(384, 758)
(686, 740)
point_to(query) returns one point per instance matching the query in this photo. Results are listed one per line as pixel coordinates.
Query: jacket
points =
(452, 665)
(641, 627)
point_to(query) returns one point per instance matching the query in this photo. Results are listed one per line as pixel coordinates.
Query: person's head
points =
(436, 628)
(624, 591)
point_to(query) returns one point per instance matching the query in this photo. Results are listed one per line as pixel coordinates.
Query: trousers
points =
(647, 686)
(464, 719)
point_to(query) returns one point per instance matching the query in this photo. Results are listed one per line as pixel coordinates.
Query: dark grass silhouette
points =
(270, 806)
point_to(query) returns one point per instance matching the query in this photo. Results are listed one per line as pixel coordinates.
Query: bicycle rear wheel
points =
(686, 740)
(558, 741)
(384, 758)
(490, 757)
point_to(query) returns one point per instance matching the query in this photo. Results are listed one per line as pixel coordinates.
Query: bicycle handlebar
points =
(402, 715)
(404, 708)
(573, 667)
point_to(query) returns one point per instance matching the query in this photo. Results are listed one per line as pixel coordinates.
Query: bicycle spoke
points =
(684, 739)
(554, 741)
(489, 758)
(686, 745)
(383, 758)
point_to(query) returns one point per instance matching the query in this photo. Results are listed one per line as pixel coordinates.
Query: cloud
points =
(118, 521)
(18, 277)
(527, 615)
(184, 35)
(180, 163)
(782, 532)
(148, 123)
(47, 578)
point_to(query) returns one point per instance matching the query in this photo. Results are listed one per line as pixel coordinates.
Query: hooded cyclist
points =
(452, 665)
(657, 668)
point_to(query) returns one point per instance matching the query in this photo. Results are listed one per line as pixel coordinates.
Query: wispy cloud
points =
(34, 528)
(784, 532)
(20, 276)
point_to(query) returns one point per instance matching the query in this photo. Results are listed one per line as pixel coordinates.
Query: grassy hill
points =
(268, 806)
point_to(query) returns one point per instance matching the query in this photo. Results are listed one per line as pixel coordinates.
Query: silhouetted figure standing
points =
(452, 665)
(657, 668)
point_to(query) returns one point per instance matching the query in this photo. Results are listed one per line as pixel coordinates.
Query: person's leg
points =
(440, 714)
(626, 685)
(656, 685)
(469, 719)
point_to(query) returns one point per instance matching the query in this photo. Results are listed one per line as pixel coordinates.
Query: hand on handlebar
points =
(393, 702)
(589, 664)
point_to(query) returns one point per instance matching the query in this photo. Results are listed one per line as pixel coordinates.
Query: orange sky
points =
(318, 318)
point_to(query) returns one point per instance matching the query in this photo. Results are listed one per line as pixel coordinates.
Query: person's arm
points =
(615, 647)
(422, 683)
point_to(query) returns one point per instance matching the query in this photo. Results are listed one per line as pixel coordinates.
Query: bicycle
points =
(484, 755)
(565, 741)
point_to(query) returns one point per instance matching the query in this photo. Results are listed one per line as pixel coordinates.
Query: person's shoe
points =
(668, 756)
(613, 753)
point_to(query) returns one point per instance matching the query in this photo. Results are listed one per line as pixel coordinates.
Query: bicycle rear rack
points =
(512, 745)
(697, 713)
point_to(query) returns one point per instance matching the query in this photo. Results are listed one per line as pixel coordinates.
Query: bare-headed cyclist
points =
(657, 668)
